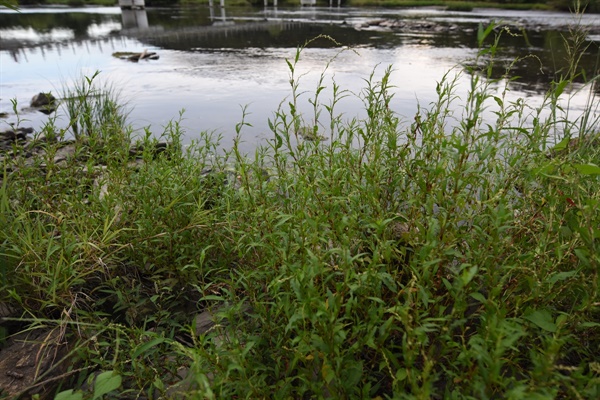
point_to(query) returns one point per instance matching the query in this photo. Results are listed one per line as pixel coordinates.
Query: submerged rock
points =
(135, 57)
(310, 133)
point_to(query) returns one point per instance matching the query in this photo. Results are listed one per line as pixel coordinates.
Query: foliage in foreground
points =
(451, 257)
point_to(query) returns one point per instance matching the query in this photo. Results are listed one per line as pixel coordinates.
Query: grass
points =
(380, 259)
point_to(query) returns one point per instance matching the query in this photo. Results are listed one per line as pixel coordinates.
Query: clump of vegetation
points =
(450, 256)
(459, 6)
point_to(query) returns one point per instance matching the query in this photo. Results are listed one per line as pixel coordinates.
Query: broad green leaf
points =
(546, 169)
(401, 375)
(562, 144)
(543, 319)
(479, 297)
(561, 276)
(105, 383)
(353, 374)
(498, 101)
(69, 395)
(468, 274)
(587, 169)
(582, 254)
(327, 372)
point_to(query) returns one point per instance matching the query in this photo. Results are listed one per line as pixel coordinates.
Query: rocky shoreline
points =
(424, 25)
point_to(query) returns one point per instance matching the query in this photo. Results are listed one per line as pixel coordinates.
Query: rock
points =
(39, 140)
(30, 362)
(7, 138)
(65, 152)
(42, 99)
(207, 320)
(8, 311)
(135, 57)
(45, 102)
(310, 133)
(155, 149)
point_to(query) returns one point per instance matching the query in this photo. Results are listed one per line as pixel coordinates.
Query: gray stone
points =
(31, 362)
(44, 102)
(208, 319)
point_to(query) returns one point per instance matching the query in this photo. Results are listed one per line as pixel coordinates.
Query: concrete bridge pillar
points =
(132, 4)
(221, 3)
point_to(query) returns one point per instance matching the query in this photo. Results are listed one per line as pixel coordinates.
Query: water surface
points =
(215, 62)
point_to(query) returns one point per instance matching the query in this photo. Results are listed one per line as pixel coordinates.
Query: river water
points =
(216, 61)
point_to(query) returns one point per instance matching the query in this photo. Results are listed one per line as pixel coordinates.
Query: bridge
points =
(222, 32)
(140, 4)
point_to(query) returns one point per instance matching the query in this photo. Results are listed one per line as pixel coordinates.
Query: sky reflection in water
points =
(213, 84)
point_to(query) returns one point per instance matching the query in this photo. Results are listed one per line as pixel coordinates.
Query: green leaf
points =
(560, 87)
(546, 169)
(484, 33)
(543, 319)
(69, 395)
(563, 144)
(561, 276)
(479, 297)
(582, 254)
(353, 373)
(480, 33)
(105, 383)
(587, 169)
(11, 4)
(212, 297)
(146, 346)
(468, 274)
(278, 140)
(589, 325)
(327, 372)
(401, 375)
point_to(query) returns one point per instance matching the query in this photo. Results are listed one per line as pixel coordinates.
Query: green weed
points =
(450, 256)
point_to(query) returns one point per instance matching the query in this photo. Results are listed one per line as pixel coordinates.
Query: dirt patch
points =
(33, 362)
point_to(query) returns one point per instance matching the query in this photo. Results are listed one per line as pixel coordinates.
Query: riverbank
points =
(435, 257)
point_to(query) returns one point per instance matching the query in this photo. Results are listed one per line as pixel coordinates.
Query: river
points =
(214, 62)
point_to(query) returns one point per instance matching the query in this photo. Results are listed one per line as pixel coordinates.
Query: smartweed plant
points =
(453, 255)
(426, 260)
(99, 230)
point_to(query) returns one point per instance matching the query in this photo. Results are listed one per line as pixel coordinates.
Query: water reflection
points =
(214, 59)
(134, 18)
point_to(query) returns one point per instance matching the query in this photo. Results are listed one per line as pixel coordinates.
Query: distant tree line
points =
(565, 5)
